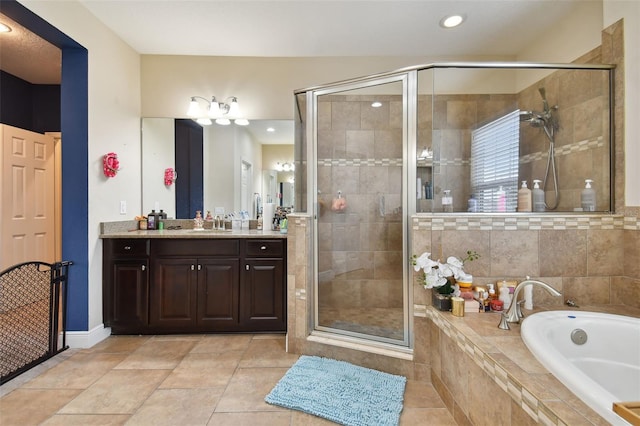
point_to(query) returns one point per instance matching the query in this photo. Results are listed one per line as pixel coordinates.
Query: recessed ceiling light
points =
(271, 129)
(376, 104)
(4, 28)
(451, 21)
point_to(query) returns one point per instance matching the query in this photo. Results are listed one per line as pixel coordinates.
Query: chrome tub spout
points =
(514, 313)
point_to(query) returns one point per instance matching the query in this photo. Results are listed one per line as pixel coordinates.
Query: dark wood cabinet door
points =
(129, 293)
(174, 295)
(218, 294)
(262, 303)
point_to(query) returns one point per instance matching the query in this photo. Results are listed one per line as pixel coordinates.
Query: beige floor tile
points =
(229, 359)
(261, 418)
(247, 389)
(24, 407)
(426, 417)
(173, 407)
(77, 372)
(187, 378)
(421, 395)
(87, 420)
(267, 353)
(219, 343)
(120, 344)
(157, 355)
(298, 418)
(117, 392)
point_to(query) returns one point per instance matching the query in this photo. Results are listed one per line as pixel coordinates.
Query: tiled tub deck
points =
(487, 375)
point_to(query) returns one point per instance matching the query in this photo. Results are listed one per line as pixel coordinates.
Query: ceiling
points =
(301, 28)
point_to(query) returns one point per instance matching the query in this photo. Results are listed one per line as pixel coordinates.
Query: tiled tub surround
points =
(488, 376)
(593, 259)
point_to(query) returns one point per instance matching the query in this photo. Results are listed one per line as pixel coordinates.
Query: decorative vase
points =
(441, 302)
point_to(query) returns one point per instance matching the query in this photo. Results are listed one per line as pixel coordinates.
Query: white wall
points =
(629, 10)
(114, 126)
(158, 153)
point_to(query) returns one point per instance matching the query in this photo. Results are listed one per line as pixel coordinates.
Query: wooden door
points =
(262, 303)
(27, 190)
(218, 294)
(173, 301)
(130, 294)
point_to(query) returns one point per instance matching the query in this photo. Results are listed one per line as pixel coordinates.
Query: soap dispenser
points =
(538, 197)
(524, 198)
(502, 200)
(588, 197)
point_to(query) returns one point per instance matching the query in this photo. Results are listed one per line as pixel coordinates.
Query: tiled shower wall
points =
(582, 140)
(360, 160)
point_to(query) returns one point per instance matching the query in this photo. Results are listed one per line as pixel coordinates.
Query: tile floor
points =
(174, 380)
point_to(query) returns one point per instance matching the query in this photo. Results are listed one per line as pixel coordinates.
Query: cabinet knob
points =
(144, 268)
(263, 248)
(193, 267)
(246, 267)
(127, 247)
(199, 267)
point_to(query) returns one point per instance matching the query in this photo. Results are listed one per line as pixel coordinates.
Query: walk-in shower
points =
(548, 121)
(361, 174)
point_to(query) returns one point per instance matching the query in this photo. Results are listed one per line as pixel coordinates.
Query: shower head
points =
(535, 119)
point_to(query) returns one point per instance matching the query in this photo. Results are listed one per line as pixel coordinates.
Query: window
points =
(494, 164)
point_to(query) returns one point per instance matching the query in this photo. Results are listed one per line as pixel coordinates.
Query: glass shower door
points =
(360, 225)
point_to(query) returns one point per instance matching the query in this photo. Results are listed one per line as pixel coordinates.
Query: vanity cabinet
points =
(263, 297)
(201, 285)
(126, 298)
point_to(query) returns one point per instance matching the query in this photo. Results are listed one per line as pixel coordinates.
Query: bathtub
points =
(603, 370)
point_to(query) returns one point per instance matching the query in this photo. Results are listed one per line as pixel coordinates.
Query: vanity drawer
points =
(129, 247)
(265, 248)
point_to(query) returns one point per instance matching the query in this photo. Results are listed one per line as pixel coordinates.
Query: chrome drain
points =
(579, 336)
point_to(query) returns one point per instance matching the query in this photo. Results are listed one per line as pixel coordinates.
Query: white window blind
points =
(494, 164)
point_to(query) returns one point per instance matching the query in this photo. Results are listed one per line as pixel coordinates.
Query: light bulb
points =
(223, 121)
(203, 121)
(241, 122)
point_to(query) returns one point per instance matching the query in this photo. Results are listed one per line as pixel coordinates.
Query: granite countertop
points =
(129, 229)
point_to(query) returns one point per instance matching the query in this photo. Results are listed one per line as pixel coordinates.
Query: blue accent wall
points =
(75, 163)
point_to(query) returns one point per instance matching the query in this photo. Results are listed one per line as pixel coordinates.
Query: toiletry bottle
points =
(588, 197)
(447, 201)
(152, 219)
(538, 197)
(502, 200)
(524, 198)
(163, 214)
(472, 204)
(419, 188)
(505, 297)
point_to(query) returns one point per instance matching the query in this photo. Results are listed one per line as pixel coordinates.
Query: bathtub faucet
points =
(514, 313)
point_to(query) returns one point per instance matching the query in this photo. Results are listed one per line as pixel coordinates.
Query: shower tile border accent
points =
(533, 406)
(565, 149)
(359, 162)
(521, 223)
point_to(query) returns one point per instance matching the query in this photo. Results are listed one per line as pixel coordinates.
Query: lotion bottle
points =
(447, 201)
(524, 198)
(538, 197)
(588, 197)
(502, 200)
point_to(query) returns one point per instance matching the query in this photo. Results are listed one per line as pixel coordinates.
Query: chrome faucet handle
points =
(504, 321)
(519, 309)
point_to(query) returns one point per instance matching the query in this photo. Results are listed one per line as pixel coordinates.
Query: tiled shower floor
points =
(174, 380)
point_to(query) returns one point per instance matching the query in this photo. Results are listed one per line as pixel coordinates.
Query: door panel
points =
(27, 228)
(218, 293)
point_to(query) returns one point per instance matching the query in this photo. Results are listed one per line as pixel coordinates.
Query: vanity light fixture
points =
(285, 167)
(221, 112)
(376, 104)
(270, 129)
(451, 21)
(4, 28)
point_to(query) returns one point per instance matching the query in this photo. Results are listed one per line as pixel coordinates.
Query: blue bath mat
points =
(341, 392)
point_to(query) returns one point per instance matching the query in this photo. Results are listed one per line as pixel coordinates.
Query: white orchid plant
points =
(440, 275)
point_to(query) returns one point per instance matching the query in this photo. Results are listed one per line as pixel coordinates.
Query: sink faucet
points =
(514, 313)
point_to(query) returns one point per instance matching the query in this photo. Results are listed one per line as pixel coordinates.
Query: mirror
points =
(238, 163)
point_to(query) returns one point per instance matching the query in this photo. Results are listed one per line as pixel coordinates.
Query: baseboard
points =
(86, 339)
